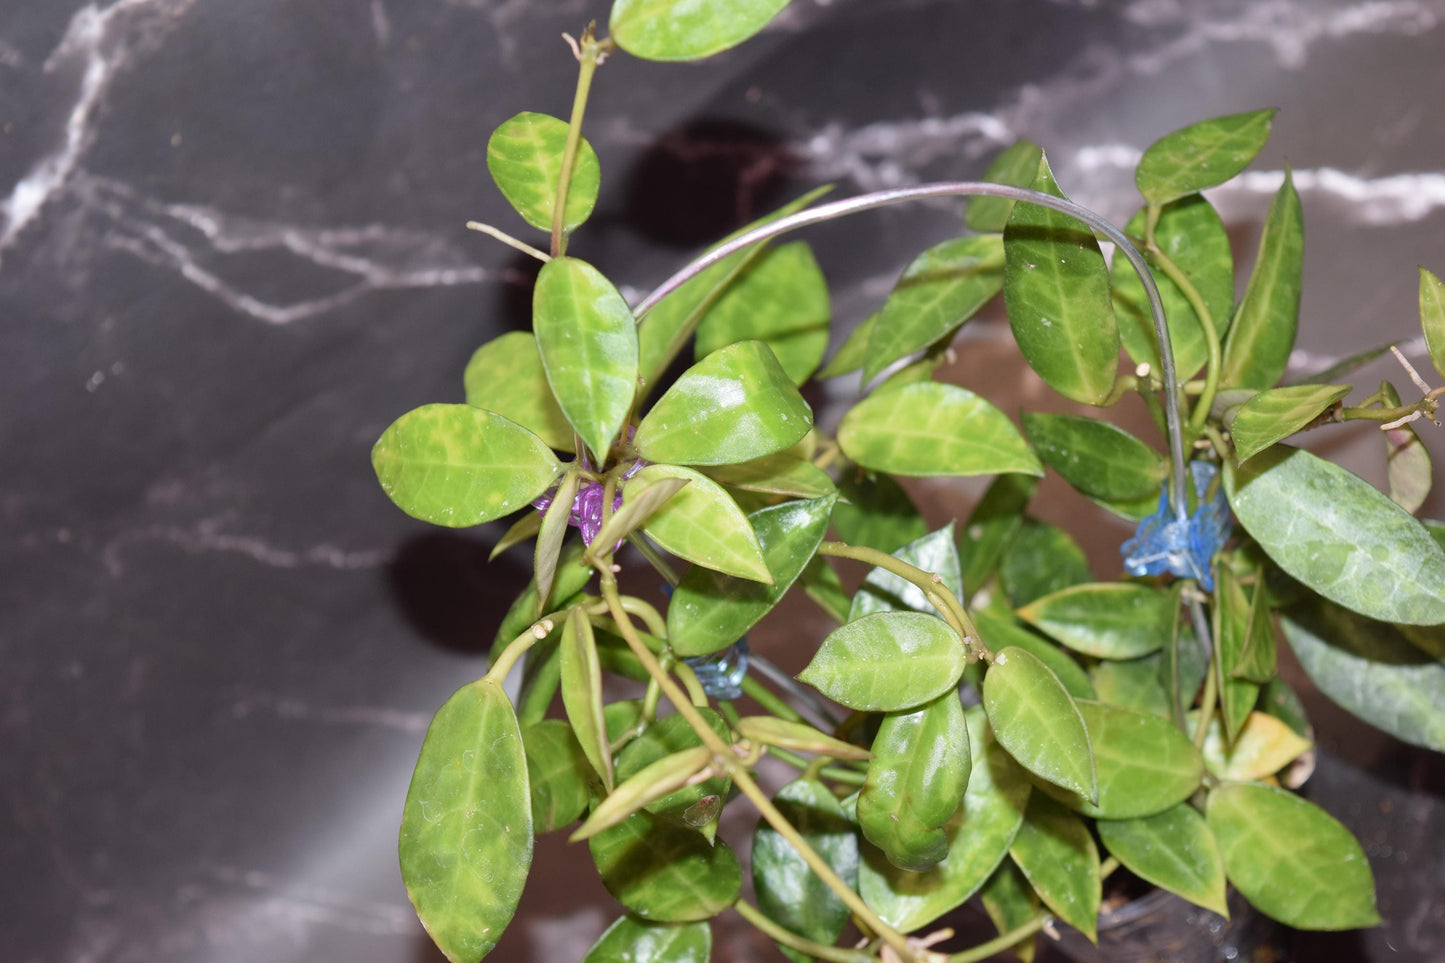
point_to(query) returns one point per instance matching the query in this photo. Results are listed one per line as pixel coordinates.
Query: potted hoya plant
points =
(987, 718)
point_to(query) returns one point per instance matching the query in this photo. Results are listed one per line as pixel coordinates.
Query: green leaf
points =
(798, 736)
(665, 872)
(686, 30)
(1291, 859)
(1036, 720)
(1056, 289)
(1263, 747)
(588, 343)
(1259, 660)
(1371, 670)
(702, 524)
(1096, 457)
(1232, 624)
(1057, 854)
(1000, 630)
(1040, 560)
(466, 831)
(1432, 317)
(1011, 902)
(788, 891)
(647, 499)
(821, 584)
(582, 692)
(558, 772)
(1340, 536)
(505, 375)
(1108, 620)
(666, 737)
(1274, 415)
(1174, 850)
(882, 591)
(876, 512)
(854, 351)
(550, 536)
(710, 611)
(1201, 155)
(778, 474)
(978, 837)
(780, 299)
(887, 662)
(1192, 235)
(524, 528)
(1262, 334)
(1145, 764)
(991, 526)
(572, 576)
(645, 787)
(1343, 367)
(940, 289)
(1017, 164)
(1283, 703)
(927, 428)
(1407, 460)
(457, 466)
(735, 405)
(524, 156)
(631, 940)
(1182, 667)
(1132, 684)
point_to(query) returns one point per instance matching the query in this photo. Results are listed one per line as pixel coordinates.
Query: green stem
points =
(764, 697)
(1002, 942)
(656, 624)
(589, 53)
(1206, 703)
(533, 634)
(777, 934)
(1211, 335)
(694, 688)
(1362, 413)
(654, 558)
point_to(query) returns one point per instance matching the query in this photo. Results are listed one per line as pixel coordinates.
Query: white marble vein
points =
(210, 537)
(250, 703)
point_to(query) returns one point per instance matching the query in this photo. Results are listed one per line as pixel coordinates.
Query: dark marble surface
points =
(232, 251)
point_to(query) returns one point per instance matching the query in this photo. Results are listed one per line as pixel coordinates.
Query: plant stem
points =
(508, 240)
(533, 634)
(765, 698)
(654, 558)
(649, 615)
(1206, 703)
(694, 688)
(589, 52)
(777, 934)
(1211, 335)
(1002, 942)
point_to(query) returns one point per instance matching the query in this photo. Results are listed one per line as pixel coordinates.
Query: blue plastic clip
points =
(1163, 543)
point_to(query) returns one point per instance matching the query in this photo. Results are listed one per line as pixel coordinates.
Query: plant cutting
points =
(988, 719)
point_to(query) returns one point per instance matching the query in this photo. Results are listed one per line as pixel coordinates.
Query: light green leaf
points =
(1262, 335)
(1342, 367)
(1274, 415)
(710, 611)
(666, 737)
(1132, 684)
(1108, 620)
(1040, 560)
(1232, 624)
(1056, 852)
(685, 29)
(665, 872)
(505, 375)
(1017, 164)
(647, 499)
(588, 343)
(524, 156)
(1279, 700)
(631, 940)
(1432, 317)
(1182, 667)
(558, 772)
(572, 576)
(1056, 288)
(1011, 902)
(1407, 460)
(457, 466)
(778, 474)
(887, 662)
(735, 405)
(466, 831)
(1259, 660)
(549, 538)
(780, 299)
(876, 512)
(524, 528)
(798, 736)
(882, 591)
(788, 891)
(644, 788)
(1000, 630)
(1340, 536)
(1201, 155)
(1174, 850)
(1291, 859)
(820, 583)
(582, 692)
(854, 351)
(1096, 457)
(940, 289)
(1036, 720)
(991, 527)
(927, 429)
(702, 524)
(1263, 747)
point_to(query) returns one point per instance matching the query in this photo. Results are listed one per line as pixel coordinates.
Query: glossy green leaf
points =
(1145, 763)
(710, 611)
(524, 156)
(1036, 720)
(666, 737)
(1056, 288)
(1263, 747)
(1182, 667)
(558, 772)
(991, 526)
(1192, 235)
(1344, 366)
(702, 524)
(466, 831)
(588, 343)
(648, 498)
(549, 538)
(1372, 670)
(887, 662)
(523, 529)
(876, 512)
(457, 466)
(1340, 536)
(1018, 165)
(735, 405)
(788, 891)
(1259, 659)
(665, 872)
(1132, 684)
(821, 584)
(781, 299)
(940, 289)
(978, 836)
(1432, 317)
(1057, 854)
(505, 375)
(582, 692)
(1011, 902)
(541, 678)
(1279, 700)
(1040, 560)
(1201, 155)
(928, 428)
(882, 591)
(1291, 859)
(631, 940)
(1108, 620)
(1096, 457)
(684, 29)
(1274, 415)
(1174, 850)
(799, 736)
(1407, 460)
(643, 788)
(1000, 630)
(1232, 624)
(853, 352)
(1262, 334)
(572, 576)
(778, 474)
